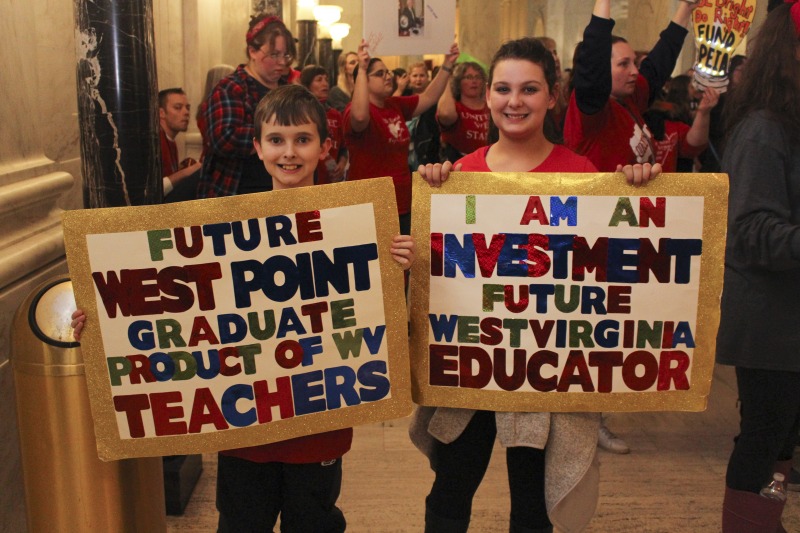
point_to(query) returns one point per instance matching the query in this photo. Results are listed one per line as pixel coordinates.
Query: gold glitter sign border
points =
(712, 187)
(80, 223)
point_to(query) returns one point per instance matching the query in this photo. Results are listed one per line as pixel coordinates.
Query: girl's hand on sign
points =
(638, 175)
(435, 174)
(403, 250)
(78, 320)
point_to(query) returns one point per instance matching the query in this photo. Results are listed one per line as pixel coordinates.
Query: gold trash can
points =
(67, 488)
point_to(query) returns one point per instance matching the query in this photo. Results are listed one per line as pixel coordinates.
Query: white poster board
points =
(409, 27)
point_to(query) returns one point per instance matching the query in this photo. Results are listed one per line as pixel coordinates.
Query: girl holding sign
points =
(545, 488)
(760, 311)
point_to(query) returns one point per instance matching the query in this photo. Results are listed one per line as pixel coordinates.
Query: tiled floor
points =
(672, 482)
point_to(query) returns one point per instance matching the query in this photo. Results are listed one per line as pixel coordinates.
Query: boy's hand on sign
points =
(403, 250)
(78, 321)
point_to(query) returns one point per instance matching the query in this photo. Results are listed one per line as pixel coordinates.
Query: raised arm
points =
(359, 105)
(698, 133)
(657, 67)
(434, 90)
(592, 66)
(446, 112)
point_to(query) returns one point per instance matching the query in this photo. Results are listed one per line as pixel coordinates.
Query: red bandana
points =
(260, 25)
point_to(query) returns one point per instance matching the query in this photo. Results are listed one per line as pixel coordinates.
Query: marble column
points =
(117, 102)
(325, 49)
(306, 43)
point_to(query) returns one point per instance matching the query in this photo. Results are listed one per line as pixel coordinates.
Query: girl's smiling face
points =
(519, 98)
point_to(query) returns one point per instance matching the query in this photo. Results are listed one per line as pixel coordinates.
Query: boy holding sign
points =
(298, 479)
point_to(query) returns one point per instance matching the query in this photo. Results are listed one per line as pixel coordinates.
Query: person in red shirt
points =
(673, 139)
(332, 168)
(375, 128)
(462, 113)
(521, 92)
(604, 118)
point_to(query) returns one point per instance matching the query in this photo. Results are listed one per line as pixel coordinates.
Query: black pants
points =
(770, 417)
(461, 465)
(250, 496)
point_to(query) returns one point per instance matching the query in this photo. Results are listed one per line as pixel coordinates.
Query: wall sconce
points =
(327, 15)
(305, 9)
(339, 31)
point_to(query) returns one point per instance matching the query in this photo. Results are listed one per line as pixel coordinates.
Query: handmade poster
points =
(409, 27)
(233, 322)
(720, 26)
(566, 292)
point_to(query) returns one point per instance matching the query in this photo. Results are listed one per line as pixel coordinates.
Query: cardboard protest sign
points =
(239, 321)
(566, 292)
(408, 27)
(720, 26)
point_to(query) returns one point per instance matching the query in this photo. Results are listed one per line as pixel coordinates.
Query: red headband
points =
(794, 12)
(260, 25)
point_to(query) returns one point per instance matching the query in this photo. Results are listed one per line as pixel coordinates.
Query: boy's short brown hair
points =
(291, 105)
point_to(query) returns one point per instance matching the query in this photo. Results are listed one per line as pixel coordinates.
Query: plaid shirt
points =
(228, 119)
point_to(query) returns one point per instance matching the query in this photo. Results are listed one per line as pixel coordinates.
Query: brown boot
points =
(749, 512)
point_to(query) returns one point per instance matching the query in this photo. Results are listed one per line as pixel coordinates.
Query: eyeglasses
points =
(472, 77)
(381, 73)
(277, 56)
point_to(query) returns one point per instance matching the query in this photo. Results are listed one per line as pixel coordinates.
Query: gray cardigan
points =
(760, 314)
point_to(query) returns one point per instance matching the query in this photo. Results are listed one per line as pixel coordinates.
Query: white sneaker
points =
(610, 442)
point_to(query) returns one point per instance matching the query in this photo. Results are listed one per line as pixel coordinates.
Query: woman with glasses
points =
(231, 165)
(462, 112)
(375, 125)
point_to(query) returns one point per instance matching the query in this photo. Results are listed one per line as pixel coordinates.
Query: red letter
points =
(133, 405)
(605, 363)
(466, 356)
(205, 411)
(634, 359)
(657, 213)
(667, 374)
(315, 312)
(439, 365)
(534, 211)
(575, 373)
(309, 227)
(265, 399)
(619, 299)
(163, 413)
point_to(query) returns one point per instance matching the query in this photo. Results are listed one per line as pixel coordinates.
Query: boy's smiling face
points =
(290, 153)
